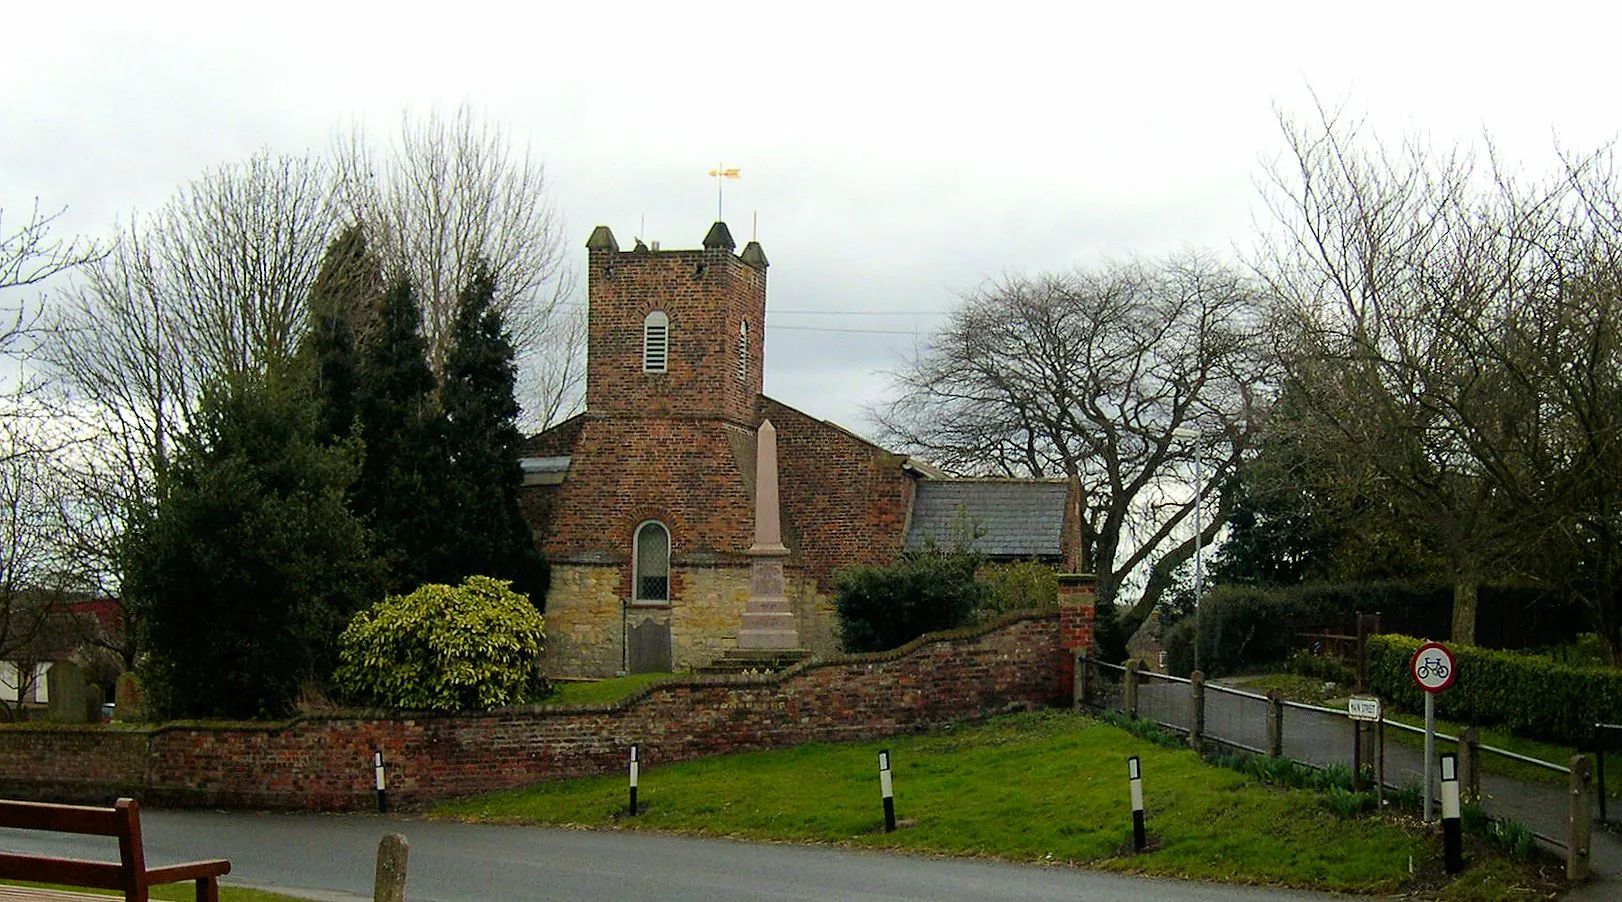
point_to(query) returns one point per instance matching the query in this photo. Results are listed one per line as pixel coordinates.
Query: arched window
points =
(650, 563)
(655, 342)
(743, 352)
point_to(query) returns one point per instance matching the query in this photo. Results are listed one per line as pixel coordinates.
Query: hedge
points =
(1530, 695)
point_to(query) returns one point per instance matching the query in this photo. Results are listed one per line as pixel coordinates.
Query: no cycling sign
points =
(1433, 667)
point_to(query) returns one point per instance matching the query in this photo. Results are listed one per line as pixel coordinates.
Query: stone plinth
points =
(768, 618)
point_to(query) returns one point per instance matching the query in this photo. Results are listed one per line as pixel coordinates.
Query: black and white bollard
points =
(888, 790)
(382, 782)
(1452, 851)
(1134, 773)
(634, 771)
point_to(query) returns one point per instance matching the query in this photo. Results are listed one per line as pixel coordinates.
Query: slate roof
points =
(1006, 517)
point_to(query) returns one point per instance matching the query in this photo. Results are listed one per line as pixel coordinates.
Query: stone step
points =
(756, 660)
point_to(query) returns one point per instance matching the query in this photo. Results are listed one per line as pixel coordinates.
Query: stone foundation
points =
(584, 620)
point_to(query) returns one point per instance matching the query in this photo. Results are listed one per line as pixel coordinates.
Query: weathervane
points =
(721, 174)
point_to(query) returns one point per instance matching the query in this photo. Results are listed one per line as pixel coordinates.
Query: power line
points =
(832, 329)
(769, 312)
(577, 305)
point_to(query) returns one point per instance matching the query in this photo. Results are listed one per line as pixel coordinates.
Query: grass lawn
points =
(1041, 787)
(604, 692)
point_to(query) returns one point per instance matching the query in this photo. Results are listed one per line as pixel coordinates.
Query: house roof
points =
(996, 517)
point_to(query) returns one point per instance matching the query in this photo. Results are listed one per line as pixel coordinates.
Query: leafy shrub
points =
(1587, 650)
(476, 646)
(1018, 586)
(248, 564)
(884, 607)
(1239, 627)
(1531, 695)
(1320, 667)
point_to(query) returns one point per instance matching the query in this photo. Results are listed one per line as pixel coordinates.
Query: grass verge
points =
(605, 692)
(1041, 787)
(176, 892)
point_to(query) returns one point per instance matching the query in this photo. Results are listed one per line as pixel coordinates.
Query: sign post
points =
(887, 791)
(1452, 849)
(635, 772)
(1361, 709)
(1134, 775)
(1433, 668)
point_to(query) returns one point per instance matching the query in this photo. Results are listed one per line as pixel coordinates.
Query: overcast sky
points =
(895, 155)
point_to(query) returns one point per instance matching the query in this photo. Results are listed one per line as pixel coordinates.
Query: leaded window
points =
(650, 565)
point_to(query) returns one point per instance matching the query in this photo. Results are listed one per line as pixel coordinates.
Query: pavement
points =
(1323, 738)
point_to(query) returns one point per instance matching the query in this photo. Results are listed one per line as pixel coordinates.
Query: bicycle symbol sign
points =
(1433, 667)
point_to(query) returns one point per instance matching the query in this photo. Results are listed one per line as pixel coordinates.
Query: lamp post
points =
(1199, 533)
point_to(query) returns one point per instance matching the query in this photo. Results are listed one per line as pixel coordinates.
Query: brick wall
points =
(845, 500)
(324, 763)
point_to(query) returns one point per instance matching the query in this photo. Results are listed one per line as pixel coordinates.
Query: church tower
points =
(678, 333)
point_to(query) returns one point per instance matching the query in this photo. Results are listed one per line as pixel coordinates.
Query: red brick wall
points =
(845, 500)
(624, 471)
(324, 763)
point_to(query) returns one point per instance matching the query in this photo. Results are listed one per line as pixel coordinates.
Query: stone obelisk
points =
(768, 620)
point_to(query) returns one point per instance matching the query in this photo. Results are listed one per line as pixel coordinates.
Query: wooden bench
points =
(129, 874)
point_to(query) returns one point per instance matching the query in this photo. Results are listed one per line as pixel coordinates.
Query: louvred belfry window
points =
(655, 342)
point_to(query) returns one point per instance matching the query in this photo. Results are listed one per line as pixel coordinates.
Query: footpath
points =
(1321, 738)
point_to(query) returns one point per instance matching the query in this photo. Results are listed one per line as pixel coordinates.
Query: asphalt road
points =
(332, 857)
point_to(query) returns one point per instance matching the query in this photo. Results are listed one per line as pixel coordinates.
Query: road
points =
(331, 857)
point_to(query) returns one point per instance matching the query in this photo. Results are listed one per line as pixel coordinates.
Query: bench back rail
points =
(130, 874)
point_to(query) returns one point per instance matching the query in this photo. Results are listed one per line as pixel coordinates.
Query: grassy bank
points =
(1043, 787)
(604, 692)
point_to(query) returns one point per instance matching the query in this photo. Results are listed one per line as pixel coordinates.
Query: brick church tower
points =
(676, 333)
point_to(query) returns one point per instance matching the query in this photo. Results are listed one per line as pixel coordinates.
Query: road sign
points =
(1433, 667)
(1363, 707)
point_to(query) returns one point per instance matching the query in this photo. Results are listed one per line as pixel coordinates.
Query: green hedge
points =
(1532, 696)
(885, 607)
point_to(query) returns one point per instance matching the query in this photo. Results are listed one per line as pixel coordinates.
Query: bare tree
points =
(30, 255)
(213, 285)
(452, 191)
(1564, 347)
(1405, 278)
(1087, 376)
